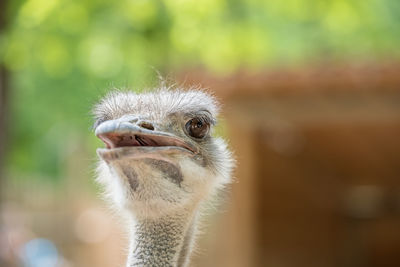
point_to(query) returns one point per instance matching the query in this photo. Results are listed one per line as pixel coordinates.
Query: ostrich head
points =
(161, 160)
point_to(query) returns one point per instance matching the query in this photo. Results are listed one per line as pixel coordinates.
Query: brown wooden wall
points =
(318, 177)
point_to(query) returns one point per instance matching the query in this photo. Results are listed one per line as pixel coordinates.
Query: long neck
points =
(165, 241)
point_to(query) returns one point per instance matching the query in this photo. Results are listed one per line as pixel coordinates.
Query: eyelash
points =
(202, 118)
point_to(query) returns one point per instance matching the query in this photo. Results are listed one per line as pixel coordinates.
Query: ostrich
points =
(159, 167)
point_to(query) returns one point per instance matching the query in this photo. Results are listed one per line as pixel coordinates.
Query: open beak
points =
(117, 133)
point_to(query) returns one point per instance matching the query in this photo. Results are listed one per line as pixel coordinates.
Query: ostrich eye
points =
(197, 128)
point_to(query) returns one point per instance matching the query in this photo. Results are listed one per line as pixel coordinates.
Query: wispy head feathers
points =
(157, 104)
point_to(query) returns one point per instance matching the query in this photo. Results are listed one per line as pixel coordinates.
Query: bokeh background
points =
(311, 94)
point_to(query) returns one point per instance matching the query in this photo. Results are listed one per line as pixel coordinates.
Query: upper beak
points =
(122, 133)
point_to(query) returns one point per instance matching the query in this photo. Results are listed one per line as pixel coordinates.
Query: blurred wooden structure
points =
(318, 153)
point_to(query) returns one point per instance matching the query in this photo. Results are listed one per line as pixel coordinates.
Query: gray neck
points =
(165, 241)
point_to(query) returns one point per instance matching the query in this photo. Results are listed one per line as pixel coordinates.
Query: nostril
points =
(146, 125)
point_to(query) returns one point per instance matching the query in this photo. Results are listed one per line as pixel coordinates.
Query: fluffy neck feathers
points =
(165, 241)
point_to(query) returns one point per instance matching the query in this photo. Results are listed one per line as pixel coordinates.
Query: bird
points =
(160, 165)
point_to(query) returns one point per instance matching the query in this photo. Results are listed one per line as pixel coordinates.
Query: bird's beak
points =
(123, 133)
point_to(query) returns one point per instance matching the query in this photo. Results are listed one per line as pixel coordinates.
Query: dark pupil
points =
(197, 128)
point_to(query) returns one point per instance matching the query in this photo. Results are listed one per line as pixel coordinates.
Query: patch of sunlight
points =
(253, 44)
(220, 54)
(16, 55)
(186, 11)
(73, 18)
(33, 12)
(101, 57)
(294, 9)
(54, 57)
(141, 13)
(342, 17)
(185, 36)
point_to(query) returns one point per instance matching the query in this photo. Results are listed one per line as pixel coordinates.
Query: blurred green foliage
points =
(64, 54)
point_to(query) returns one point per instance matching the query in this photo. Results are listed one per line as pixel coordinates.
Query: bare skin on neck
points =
(160, 164)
